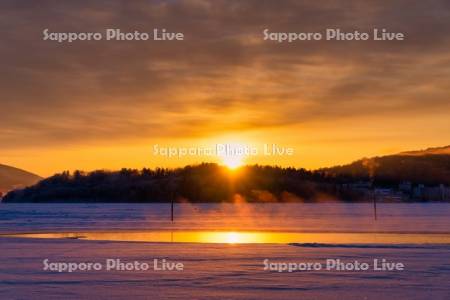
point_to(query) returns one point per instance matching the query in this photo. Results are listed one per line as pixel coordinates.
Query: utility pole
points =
(171, 208)
(374, 204)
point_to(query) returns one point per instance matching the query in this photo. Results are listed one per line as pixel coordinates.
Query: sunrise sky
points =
(104, 104)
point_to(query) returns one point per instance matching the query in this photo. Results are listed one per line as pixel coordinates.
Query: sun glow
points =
(232, 162)
(243, 237)
(232, 238)
(233, 155)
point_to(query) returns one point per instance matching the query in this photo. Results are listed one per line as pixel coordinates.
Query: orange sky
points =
(105, 104)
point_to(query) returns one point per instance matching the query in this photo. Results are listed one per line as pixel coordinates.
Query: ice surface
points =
(222, 271)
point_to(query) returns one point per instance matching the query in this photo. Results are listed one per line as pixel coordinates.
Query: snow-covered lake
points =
(228, 270)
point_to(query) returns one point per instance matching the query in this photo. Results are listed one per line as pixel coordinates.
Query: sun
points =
(232, 154)
(232, 162)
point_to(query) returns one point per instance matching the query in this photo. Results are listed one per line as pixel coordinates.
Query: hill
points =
(13, 178)
(436, 150)
(201, 183)
(419, 167)
(213, 183)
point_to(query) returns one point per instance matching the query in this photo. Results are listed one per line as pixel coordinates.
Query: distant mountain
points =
(436, 150)
(430, 167)
(13, 178)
